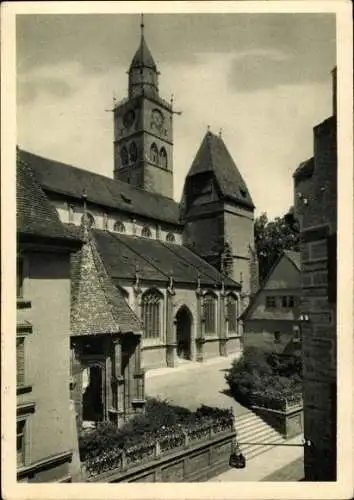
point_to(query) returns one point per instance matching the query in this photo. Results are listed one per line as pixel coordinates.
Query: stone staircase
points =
(252, 429)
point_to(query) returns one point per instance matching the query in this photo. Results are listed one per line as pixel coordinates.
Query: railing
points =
(282, 403)
(121, 460)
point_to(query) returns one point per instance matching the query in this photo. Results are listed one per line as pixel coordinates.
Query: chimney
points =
(334, 91)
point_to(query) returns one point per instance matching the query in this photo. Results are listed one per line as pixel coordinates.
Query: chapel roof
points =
(63, 179)
(97, 306)
(213, 156)
(35, 216)
(155, 260)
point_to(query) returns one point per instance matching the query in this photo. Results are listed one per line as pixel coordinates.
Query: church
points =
(185, 270)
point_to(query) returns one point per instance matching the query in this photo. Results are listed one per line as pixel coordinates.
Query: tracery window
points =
(210, 313)
(124, 155)
(163, 158)
(146, 232)
(119, 227)
(133, 152)
(232, 312)
(170, 237)
(151, 314)
(154, 153)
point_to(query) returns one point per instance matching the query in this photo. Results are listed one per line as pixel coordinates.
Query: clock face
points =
(157, 118)
(129, 118)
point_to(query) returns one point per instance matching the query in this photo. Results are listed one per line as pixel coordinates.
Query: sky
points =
(264, 79)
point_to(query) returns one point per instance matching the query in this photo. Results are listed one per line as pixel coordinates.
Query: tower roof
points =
(214, 157)
(143, 57)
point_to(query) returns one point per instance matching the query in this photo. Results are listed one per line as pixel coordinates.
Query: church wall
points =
(158, 180)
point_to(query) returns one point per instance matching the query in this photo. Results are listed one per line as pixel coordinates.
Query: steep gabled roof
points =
(67, 180)
(97, 306)
(143, 57)
(35, 215)
(213, 156)
(293, 257)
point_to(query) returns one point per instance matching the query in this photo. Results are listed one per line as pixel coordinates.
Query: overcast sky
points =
(263, 78)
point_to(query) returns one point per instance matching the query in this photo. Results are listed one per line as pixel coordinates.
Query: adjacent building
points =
(315, 183)
(272, 318)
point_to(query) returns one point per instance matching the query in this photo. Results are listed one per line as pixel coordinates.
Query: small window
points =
(124, 155)
(243, 192)
(20, 361)
(91, 220)
(20, 431)
(296, 334)
(133, 152)
(163, 158)
(119, 227)
(19, 277)
(232, 313)
(276, 337)
(288, 301)
(154, 153)
(170, 237)
(270, 302)
(146, 232)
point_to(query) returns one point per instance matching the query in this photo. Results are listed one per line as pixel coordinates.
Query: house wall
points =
(318, 229)
(47, 288)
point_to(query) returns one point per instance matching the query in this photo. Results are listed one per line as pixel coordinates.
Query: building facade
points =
(272, 319)
(187, 290)
(315, 183)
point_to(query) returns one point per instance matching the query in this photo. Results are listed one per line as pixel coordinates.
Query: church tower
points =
(218, 213)
(143, 135)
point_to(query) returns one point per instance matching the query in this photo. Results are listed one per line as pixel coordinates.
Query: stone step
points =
(254, 433)
(252, 423)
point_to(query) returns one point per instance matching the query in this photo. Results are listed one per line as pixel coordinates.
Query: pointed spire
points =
(142, 26)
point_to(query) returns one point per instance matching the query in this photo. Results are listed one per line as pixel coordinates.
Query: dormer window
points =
(170, 237)
(243, 192)
(119, 227)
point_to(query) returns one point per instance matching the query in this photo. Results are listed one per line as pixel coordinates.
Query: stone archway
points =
(184, 323)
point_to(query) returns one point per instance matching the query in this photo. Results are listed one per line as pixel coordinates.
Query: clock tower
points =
(143, 140)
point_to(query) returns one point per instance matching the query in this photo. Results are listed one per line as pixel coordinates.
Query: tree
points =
(272, 237)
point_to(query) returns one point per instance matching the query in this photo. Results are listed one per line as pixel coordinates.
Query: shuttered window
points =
(20, 361)
(20, 441)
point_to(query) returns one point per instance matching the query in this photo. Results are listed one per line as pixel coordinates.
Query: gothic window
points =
(163, 158)
(119, 227)
(151, 312)
(133, 152)
(91, 220)
(232, 313)
(146, 232)
(210, 313)
(170, 237)
(20, 441)
(154, 153)
(124, 155)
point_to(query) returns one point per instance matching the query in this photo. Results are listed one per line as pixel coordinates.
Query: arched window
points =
(210, 313)
(232, 313)
(124, 155)
(163, 158)
(119, 227)
(91, 220)
(154, 153)
(170, 237)
(133, 152)
(151, 312)
(146, 232)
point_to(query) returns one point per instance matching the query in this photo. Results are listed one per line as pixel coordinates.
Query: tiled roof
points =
(155, 260)
(213, 156)
(97, 306)
(65, 179)
(294, 257)
(34, 213)
(143, 57)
